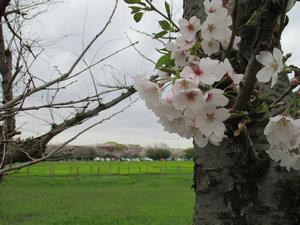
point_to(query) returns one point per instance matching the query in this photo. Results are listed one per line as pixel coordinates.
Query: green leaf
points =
(162, 50)
(168, 10)
(160, 34)
(138, 16)
(135, 9)
(132, 1)
(164, 60)
(165, 25)
(195, 48)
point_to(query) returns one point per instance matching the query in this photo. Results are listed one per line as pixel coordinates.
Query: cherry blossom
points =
(179, 55)
(165, 108)
(226, 40)
(236, 78)
(191, 99)
(185, 44)
(200, 139)
(272, 66)
(210, 47)
(149, 91)
(286, 158)
(206, 71)
(216, 27)
(216, 97)
(283, 131)
(183, 109)
(163, 77)
(176, 126)
(210, 122)
(183, 84)
(215, 7)
(189, 28)
(190, 121)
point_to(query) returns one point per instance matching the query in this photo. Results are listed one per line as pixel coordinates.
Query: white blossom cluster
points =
(272, 66)
(282, 131)
(184, 109)
(283, 134)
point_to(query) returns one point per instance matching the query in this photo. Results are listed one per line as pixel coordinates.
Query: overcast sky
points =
(72, 19)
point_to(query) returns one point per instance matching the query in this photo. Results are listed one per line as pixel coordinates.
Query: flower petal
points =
(200, 139)
(265, 58)
(264, 75)
(277, 55)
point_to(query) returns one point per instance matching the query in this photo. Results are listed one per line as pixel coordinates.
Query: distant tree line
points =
(158, 154)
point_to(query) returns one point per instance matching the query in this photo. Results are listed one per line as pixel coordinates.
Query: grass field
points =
(109, 168)
(96, 200)
(91, 200)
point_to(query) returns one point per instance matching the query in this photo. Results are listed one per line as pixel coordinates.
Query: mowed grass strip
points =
(109, 168)
(92, 200)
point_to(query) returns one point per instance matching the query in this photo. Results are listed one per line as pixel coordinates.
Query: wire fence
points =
(108, 169)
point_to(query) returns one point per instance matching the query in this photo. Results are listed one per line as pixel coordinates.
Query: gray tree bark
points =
(236, 183)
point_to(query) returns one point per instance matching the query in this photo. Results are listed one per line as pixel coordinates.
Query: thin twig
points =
(139, 52)
(284, 94)
(234, 28)
(163, 15)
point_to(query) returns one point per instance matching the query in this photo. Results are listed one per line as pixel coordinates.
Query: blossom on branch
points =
(287, 159)
(216, 97)
(283, 131)
(189, 28)
(178, 54)
(190, 99)
(210, 47)
(236, 78)
(206, 71)
(272, 66)
(148, 90)
(216, 27)
(213, 7)
(210, 122)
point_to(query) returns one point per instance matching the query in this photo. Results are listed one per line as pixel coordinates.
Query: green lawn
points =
(108, 168)
(96, 200)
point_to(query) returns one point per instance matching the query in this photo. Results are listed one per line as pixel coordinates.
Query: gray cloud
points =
(137, 124)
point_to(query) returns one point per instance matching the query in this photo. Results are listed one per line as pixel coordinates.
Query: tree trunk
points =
(236, 183)
(7, 128)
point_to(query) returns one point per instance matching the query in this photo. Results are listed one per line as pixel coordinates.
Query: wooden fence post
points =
(49, 171)
(27, 171)
(109, 170)
(91, 170)
(98, 170)
(140, 170)
(119, 170)
(77, 170)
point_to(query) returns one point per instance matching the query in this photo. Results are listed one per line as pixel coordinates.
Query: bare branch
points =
(264, 35)
(48, 155)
